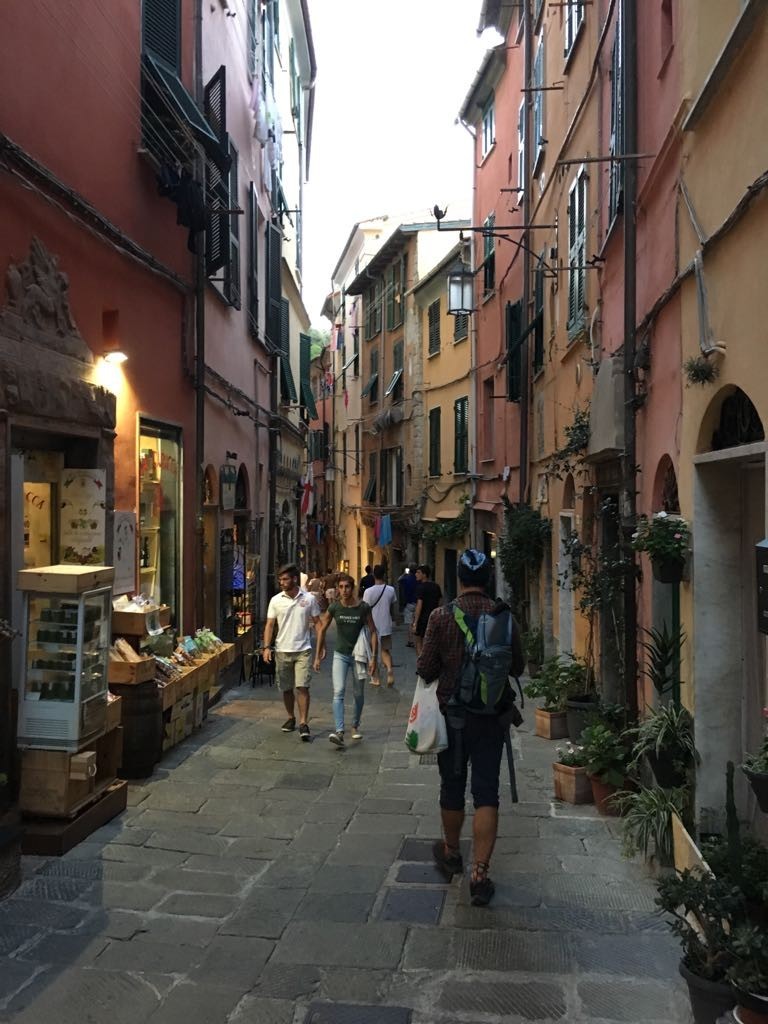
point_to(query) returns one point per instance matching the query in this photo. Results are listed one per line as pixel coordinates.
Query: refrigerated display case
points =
(67, 631)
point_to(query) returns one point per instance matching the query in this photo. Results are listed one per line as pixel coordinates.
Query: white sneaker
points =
(356, 734)
(337, 738)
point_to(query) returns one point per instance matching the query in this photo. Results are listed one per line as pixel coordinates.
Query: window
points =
(370, 490)
(160, 512)
(489, 255)
(373, 311)
(161, 30)
(356, 468)
(288, 391)
(295, 82)
(252, 272)
(616, 144)
(537, 8)
(395, 386)
(317, 446)
(434, 442)
(307, 399)
(391, 477)
(577, 251)
(371, 389)
(461, 435)
(488, 136)
(433, 323)
(232, 272)
(344, 453)
(356, 351)
(488, 418)
(514, 344)
(538, 107)
(252, 38)
(521, 152)
(460, 327)
(274, 243)
(574, 16)
(538, 313)
(395, 286)
(217, 183)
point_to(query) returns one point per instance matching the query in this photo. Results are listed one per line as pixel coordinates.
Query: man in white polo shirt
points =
(292, 613)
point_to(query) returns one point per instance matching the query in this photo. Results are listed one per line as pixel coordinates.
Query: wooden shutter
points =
(538, 308)
(538, 105)
(433, 317)
(232, 282)
(617, 123)
(274, 283)
(252, 38)
(161, 30)
(217, 248)
(252, 290)
(390, 286)
(434, 442)
(514, 331)
(460, 435)
(307, 399)
(287, 386)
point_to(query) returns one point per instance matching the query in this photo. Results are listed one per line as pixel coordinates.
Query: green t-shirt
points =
(349, 623)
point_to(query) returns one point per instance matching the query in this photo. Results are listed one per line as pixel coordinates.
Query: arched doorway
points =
(729, 518)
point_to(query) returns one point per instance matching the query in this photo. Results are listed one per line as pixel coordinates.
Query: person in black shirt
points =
(367, 580)
(428, 597)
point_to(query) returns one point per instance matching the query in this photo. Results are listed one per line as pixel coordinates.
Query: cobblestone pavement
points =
(256, 878)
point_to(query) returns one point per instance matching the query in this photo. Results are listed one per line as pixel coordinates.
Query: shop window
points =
(160, 513)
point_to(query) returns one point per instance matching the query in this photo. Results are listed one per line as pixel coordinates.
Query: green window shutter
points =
(538, 306)
(274, 283)
(307, 398)
(232, 278)
(617, 125)
(390, 286)
(460, 326)
(514, 339)
(287, 385)
(252, 281)
(434, 441)
(433, 318)
(217, 247)
(461, 438)
(161, 30)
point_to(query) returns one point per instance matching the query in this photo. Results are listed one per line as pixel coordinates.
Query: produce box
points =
(55, 783)
(187, 716)
(188, 681)
(170, 692)
(114, 712)
(198, 701)
(227, 655)
(178, 730)
(131, 671)
(140, 623)
(64, 579)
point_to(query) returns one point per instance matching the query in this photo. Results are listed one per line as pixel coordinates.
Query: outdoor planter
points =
(571, 784)
(551, 725)
(601, 794)
(709, 999)
(759, 783)
(579, 711)
(667, 570)
(664, 771)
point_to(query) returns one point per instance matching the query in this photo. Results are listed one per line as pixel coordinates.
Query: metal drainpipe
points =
(199, 355)
(629, 502)
(528, 151)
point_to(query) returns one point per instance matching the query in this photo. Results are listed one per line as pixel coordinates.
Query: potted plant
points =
(606, 756)
(533, 648)
(755, 767)
(662, 663)
(665, 738)
(569, 774)
(550, 686)
(647, 824)
(582, 700)
(749, 973)
(665, 538)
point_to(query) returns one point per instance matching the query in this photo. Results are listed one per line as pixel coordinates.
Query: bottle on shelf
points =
(145, 553)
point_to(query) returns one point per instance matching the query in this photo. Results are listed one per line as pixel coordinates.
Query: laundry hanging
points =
(385, 531)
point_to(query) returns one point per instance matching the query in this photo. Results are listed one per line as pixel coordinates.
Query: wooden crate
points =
(170, 692)
(64, 579)
(126, 672)
(56, 783)
(114, 712)
(49, 837)
(139, 623)
(227, 655)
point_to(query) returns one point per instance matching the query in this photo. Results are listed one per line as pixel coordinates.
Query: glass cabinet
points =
(63, 695)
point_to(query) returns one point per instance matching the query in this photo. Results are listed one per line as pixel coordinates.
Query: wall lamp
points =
(461, 289)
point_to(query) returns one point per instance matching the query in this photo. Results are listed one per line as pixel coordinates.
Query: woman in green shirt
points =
(351, 616)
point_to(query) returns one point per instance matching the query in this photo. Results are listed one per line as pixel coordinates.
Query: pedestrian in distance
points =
(366, 581)
(407, 587)
(292, 614)
(475, 737)
(351, 616)
(428, 597)
(381, 598)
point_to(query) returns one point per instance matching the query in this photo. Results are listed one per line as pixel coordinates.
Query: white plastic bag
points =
(426, 732)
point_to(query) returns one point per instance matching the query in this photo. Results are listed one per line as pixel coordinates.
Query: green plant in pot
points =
(647, 822)
(665, 738)
(533, 648)
(755, 767)
(551, 686)
(749, 972)
(569, 774)
(662, 658)
(665, 539)
(606, 756)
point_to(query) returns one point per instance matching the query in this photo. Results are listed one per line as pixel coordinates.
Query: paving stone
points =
(605, 867)
(257, 847)
(233, 961)
(316, 838)
(340, 1013)
(148, 957)
(374, 805)
(538, 953)
(259, 826)
(263, 1011)
(201, 1003)
(182, 880)
(94, 870)
(428, 949)
(517, 890)
(125, 832)
(553, 828)
(534, 846)
(353, 985)
(179, 931)
(520, 863)
(265, 913)
(224, 756)
(14, 935)
(14, 911)
(66, 949)
(558, 919)
(421, 849)
(380, 824)
(342, 879)
(294, 870)
(113, 924)
(376, 944)
(287, 981)
(323, 906)
(305, 780)
(142, 855)
(14, 974)
(52, 889)
(531, 1000)
(509, 825)
(246, 867)
(636, 956)
(421, 874)
(199, 904)
(361, 850)
(164, 821)
(326, 812)
(595, 892)
(177, 797)
(638, 1001)
(85, 996)
(127, 895)
(416, 906)
(188, 842)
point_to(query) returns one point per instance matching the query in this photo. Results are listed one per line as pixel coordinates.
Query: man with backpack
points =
(471, 647)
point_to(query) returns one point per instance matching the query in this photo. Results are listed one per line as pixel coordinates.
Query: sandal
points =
(448, 862)
(374, 682)
(481, 888)
(390, 679)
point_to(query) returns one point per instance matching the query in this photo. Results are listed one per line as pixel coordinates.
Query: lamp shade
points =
(330, 474)
(461, 289)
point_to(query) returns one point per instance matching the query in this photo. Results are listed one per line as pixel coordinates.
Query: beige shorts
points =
(293, 669)
(385, 642)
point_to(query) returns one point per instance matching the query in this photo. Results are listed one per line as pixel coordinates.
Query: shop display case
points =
(67, 631)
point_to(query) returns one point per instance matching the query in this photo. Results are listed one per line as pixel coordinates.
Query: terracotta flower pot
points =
(751, 1009)
(551, 725)
(602, 793)
(571, 784)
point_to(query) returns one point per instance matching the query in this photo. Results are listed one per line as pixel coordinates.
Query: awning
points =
(486, 506)
(167, 79)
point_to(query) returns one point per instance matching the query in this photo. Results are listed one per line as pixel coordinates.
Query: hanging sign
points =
(124, 553)
(82, 517)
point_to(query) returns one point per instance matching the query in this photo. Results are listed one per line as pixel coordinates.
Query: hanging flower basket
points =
(667, 570)
(665, 540)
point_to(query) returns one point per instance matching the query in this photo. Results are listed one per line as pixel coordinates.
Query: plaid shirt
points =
(442, 652)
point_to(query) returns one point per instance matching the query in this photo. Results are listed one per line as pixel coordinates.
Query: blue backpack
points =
(483, 686)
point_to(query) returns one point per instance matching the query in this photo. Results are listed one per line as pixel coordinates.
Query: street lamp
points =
(461, 289)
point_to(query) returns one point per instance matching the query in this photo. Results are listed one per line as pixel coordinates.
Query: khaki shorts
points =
(385, 642)
(293, 669)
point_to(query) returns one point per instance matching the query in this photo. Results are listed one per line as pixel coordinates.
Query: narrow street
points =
(255, 878)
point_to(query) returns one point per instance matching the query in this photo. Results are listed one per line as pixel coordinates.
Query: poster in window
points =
(124, 557)
(82, 517)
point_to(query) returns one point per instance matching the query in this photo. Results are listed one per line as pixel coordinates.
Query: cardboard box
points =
(64, 579)
(114, 712)
(127, 672)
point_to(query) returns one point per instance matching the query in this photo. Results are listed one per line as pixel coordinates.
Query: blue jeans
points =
(342, 663)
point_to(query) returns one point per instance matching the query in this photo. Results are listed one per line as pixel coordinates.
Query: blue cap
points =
(474, 569)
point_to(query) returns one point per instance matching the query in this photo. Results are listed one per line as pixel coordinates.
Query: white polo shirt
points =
(294, 620)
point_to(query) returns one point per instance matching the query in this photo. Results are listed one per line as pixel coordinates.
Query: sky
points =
(391, 79)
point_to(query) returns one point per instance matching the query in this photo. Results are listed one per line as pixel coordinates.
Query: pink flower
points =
(678, 536)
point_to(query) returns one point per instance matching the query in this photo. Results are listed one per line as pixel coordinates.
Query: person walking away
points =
(351, 615)
(428, 597)
(381, 598)
(407, 586)
(473, 739)
(366, 581)
(292, 614)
